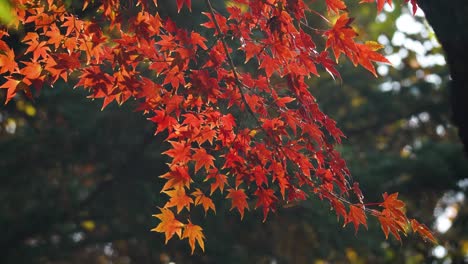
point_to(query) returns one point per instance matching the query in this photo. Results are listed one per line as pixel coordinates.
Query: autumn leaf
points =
(239, 200)
(7, 61)
(394, 206)
(202, 159)
(163, 121)
(335, 5)
(357, 216)
(32, 70)
(423, 231)
(264, 128)
(220, 180)
(55, 36)
(180, 152)
(206, 202)
(39, 49)
(380, 3)
(367, 53)
(282, 101)
(169, 224)
(266, 199)
(197, 39)
(339, 208)
(392, 219)
(178, 199)
(181, 3)
(251, 49)
(414, 3)
(341, 37)
(268, 64)
(11, 85)
(178, 177)
(194, 235)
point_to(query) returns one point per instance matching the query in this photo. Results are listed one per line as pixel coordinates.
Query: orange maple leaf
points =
(202, 159)
(180, 152)
(7, 61)
(169, 224)
(220, 180)
(178, 177)
(201, 198)
(178, 199)
(194, 234)
(32, 70)
(12, 87)
(239, 200)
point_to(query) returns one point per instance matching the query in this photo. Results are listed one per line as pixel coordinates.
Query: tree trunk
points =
(449, 20)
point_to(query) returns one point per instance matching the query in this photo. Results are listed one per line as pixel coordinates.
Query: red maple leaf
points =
(414, 3)
(341, 37)
(357, 216)
(284, 145)
(180, 4)
(380, 3)
(266, 199)
(163, 121)
(367, 53)
(335, 5)
(423, 231)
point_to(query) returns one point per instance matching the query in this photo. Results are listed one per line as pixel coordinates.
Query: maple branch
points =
(316, 30)
(230, 61)
(320, 15)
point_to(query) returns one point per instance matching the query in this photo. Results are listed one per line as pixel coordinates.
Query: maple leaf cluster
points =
(277, 149)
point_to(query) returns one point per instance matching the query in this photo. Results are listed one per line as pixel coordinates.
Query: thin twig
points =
(230, 61)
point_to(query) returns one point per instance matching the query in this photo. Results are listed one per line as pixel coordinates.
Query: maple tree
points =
(190, 86)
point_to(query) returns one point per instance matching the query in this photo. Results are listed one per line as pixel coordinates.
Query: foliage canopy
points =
(250, 135)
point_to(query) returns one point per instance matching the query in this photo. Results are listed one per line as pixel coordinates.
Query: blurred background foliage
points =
(79, 185)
